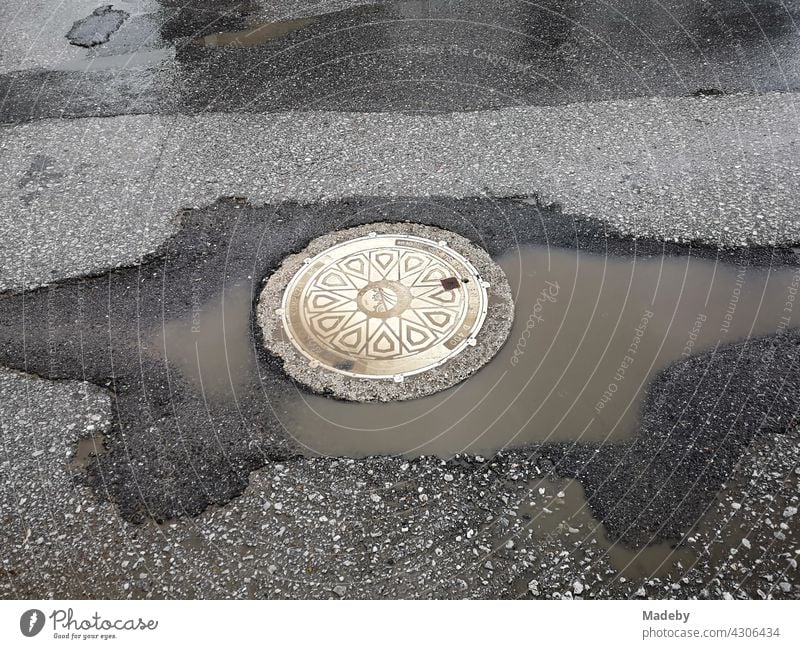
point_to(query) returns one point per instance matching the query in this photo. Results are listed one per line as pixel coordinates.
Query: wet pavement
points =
(111, 330)
(331, 528)
(427, 56)
(630, 165)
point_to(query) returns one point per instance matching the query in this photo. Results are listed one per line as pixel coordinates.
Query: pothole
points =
(591, 333)
(386, 312)
(557, 512)
(87, 449)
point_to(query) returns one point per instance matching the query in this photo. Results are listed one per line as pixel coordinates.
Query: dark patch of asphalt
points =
(172, 452)
(434, 57)
(97, 27)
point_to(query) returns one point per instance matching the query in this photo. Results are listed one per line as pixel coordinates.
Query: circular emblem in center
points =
(384, 299)
(389, 303)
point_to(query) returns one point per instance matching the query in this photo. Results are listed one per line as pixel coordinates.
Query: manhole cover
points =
(362, 313)
(384, 306)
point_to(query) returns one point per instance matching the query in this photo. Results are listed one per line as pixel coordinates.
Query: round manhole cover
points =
(374, 312)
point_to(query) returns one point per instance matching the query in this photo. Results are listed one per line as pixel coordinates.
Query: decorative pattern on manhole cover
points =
(384, 306)
(380, 302)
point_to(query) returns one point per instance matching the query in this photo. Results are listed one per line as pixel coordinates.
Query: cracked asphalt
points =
(156, 161)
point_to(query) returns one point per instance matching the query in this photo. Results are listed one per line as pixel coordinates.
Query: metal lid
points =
(384, 306)
(385, 311)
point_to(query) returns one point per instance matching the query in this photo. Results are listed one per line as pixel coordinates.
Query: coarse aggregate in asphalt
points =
(694, 424)
(328, 528)
(715, 170)
(182, 158)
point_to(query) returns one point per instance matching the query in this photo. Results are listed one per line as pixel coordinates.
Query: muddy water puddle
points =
(584, 323)
(256, 35)
(212, 346)
(590, 333)
(557, 513)
(556, 516)
(86, 450)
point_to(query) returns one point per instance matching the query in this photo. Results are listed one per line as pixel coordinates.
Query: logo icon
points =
(31, 622)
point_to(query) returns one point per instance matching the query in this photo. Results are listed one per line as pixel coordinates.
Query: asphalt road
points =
(712, 170)
(195, 147)
(429, 57)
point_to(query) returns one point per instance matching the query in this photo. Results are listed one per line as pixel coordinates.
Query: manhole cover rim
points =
(497, 318)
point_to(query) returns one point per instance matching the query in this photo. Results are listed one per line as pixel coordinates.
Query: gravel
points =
(331, 540)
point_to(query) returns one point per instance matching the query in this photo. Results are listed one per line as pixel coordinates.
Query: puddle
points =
(590, 333)
(212, 346)
(556, 511)
(87, 450)
(745, 525)
(255, 35)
